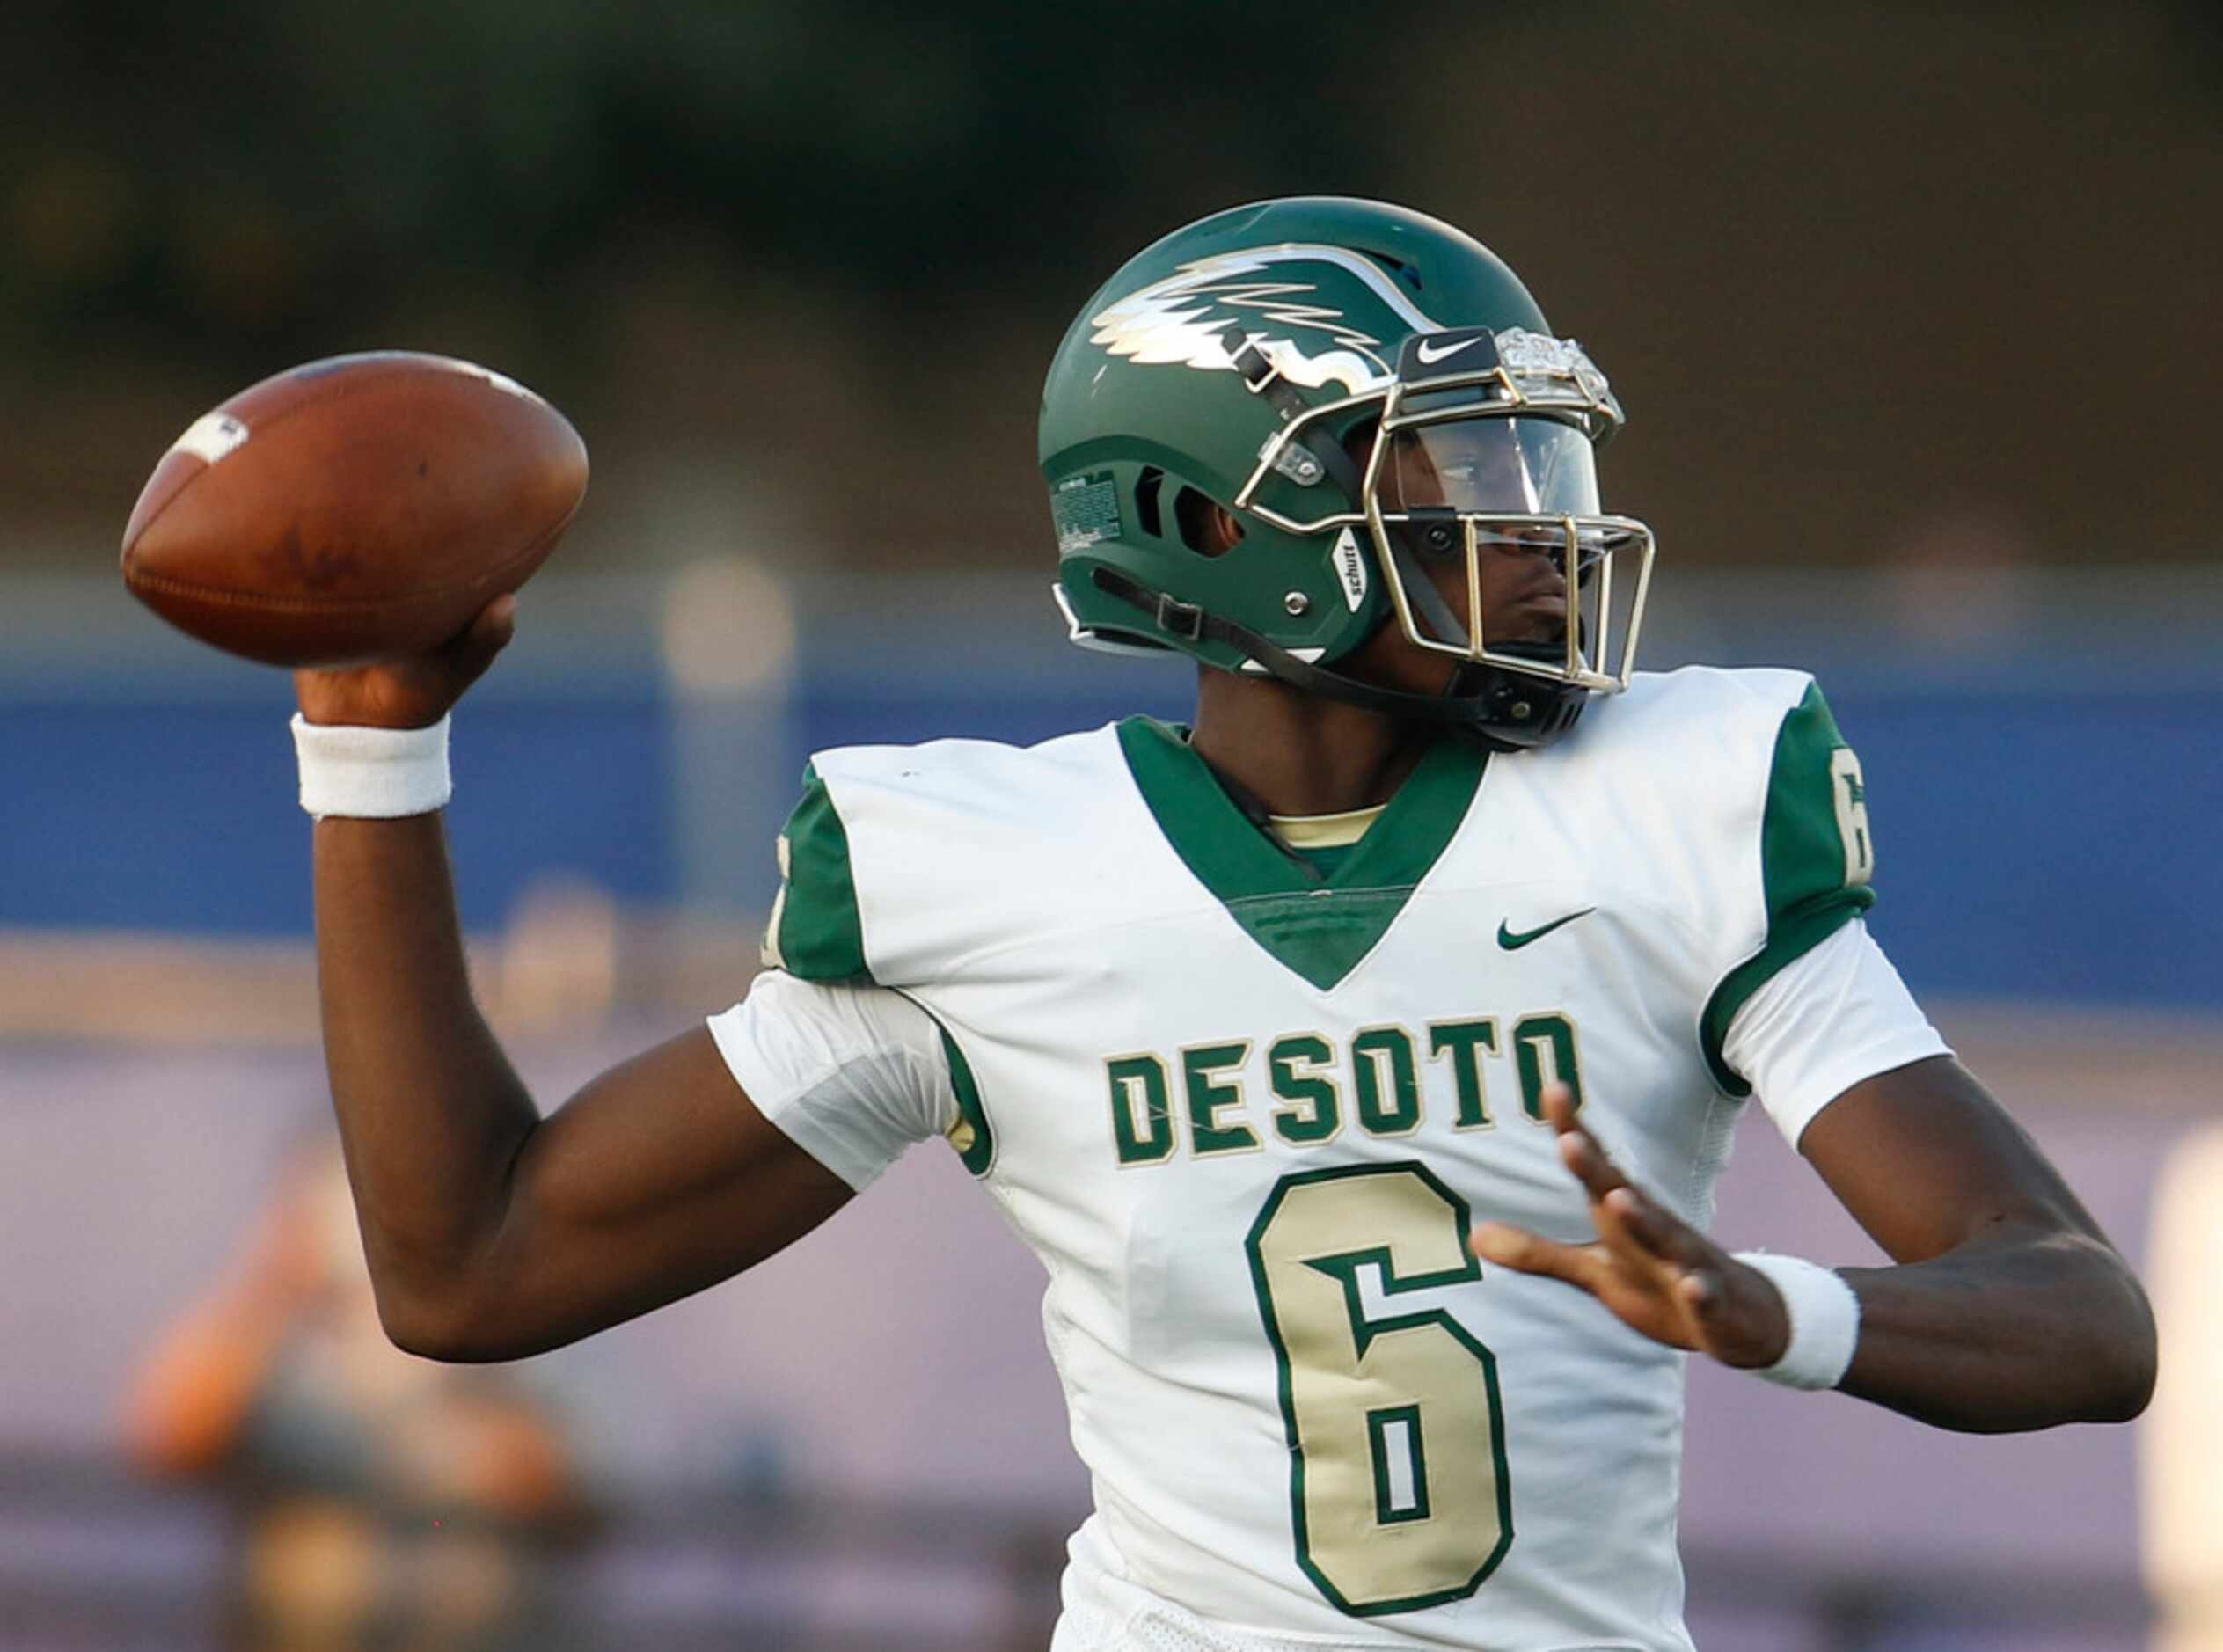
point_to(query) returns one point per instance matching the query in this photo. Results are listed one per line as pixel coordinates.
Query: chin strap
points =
(1486, 716)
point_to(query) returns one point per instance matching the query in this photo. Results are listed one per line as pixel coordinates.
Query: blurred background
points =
(1913, 308)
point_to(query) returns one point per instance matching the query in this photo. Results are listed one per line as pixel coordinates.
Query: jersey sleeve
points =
(852, 1074)
(1816, 859)
(1834, 1016)
(816, 931)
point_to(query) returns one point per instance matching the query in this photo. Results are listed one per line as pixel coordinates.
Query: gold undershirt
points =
(1324, 831)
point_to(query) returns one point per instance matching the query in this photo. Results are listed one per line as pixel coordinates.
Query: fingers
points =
(490, 630)
(409, 691)
(1659, 1230)
(1559, 1107)
(1629, 1222)
(1649, 1267)
(1652, 1235)
(1578, 1149)
(1602, 1179)
(497, 621)
(1528, 1253)
(489, 633)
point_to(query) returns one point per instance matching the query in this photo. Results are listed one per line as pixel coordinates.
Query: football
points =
(360, 507)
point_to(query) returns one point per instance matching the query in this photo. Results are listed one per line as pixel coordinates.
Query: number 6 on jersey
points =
(1398, 1485)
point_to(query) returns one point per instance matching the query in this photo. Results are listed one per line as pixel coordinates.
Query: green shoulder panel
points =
(815, 931)
(1816, 861)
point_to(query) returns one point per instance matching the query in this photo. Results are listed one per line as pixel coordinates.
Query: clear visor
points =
(1515, 467)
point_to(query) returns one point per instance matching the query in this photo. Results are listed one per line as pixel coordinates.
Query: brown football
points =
(357, 509)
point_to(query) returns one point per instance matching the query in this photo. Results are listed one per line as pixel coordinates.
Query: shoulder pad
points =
(1816, 854)
(901, 861)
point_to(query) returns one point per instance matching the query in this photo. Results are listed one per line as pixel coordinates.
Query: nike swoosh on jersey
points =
(1428, 357)
(1513, 940)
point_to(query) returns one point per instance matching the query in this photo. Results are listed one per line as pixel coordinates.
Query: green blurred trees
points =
(246, 179)
(794, 265)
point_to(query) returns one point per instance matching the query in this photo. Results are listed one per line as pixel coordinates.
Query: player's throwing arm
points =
(364, 519)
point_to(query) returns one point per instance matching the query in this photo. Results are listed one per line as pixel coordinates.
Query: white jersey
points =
(1247, 1115)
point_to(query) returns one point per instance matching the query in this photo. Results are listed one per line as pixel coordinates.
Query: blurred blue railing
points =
(2047, 803)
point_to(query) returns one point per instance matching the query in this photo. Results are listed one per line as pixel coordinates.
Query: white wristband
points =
(1825, 1320)
(371, 773)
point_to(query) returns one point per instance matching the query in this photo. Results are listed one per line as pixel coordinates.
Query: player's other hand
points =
(415, 692)
(1654, 1271)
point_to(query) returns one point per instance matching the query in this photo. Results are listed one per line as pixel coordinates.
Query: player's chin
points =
(1529, 628)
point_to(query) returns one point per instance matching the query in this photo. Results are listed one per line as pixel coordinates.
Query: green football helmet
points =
(1366, 390)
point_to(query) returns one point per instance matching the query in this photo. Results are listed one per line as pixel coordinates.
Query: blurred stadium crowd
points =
(1913, 311)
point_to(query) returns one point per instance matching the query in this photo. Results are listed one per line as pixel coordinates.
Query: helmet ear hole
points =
(1146, 486)
(1206, 526)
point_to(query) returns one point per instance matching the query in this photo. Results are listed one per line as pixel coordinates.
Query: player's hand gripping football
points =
(1654, 1271)
(410, 693)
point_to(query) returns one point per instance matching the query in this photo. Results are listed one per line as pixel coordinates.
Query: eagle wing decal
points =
(1201, 314)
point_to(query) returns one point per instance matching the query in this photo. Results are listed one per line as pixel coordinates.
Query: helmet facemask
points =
(1482, 458)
